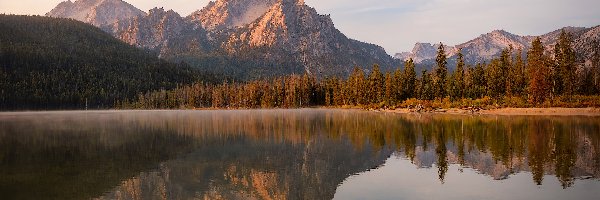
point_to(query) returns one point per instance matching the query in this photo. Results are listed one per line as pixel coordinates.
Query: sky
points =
(397, 25)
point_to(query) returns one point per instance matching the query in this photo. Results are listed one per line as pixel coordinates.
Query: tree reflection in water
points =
(272, 154)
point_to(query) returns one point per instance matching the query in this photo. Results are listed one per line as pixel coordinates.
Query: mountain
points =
(230, 13)
(165, 32)
(490, 45)
(421, 51)
(50, 63)
(291, 30)
(587, 43)
(95, 12)
(250, 39)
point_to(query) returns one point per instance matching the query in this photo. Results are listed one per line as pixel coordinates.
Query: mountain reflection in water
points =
(276, 154)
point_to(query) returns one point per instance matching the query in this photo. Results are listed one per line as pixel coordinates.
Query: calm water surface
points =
(296, 154)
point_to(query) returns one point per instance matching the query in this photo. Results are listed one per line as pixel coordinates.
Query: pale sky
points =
(398, 24)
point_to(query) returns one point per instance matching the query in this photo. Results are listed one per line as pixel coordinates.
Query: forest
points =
(536, 78)
(49, 63)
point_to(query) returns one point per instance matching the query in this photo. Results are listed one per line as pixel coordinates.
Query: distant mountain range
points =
(490, 45)
(246, 38)
(252, 39)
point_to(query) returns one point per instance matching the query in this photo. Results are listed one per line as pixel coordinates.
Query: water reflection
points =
(274, 154)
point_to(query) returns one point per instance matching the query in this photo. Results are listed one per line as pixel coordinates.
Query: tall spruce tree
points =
(539, 73)
(376, 84)
(479, 81)
(441, 73)
(409, 80)
(398, 84)
(390, 88)
(565, 59)
(516, 77)
(505, 66)
(427, 86)
(457, 85)
(357, 88)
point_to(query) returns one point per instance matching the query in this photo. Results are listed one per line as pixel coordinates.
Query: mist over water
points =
(296, 154)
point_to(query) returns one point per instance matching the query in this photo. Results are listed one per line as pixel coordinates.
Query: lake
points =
(296, 154)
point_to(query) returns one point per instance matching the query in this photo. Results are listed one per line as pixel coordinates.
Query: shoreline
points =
(556, 111)
(552, 111)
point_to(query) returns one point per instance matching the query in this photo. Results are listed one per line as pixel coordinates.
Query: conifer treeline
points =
(532, 81)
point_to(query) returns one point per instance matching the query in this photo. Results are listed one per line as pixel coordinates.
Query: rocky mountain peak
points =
(165, 32)
(261, 37)
(490, 45)
(288, 23)
(224, 14)
(95, 12)
(420, 52)
(229, 14)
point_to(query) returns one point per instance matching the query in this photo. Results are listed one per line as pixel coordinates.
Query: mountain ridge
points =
(51, 63)
(250, 38)
(95, 12)
(489, 45)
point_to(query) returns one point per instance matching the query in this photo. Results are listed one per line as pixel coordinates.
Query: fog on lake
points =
(296, 154)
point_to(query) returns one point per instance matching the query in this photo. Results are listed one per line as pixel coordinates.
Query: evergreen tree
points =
(376, 83)
(539, 73)
(398, 83)
(390, 89)
(497, 74)
(505, 66)
(357, 88)
(427, 87)
(564, 73)
(517, 77)
(495, 79)
(479, 81)
(441, 72)
(457, 85)
(409, 79)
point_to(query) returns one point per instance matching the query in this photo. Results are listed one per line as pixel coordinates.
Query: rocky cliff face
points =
(96, 12)
(230, 13)
(587, 44)
(421, 51)
(255, 38)
(291, 30)
(165, 32)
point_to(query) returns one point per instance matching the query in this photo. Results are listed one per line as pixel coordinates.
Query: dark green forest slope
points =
(49, 63)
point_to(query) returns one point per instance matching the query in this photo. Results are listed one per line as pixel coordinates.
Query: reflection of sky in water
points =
(296, 154)
(398, 178)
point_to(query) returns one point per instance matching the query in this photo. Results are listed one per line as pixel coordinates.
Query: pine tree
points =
(505, 66)
(457, 85)
(376, 83)
(539, 73)
(390, 88)
(516, 77)
(441, 72)
(409, 79)
(495, 81)
(564, 73)
(479, 81)
(356, 86)
(398, 84)
(427, 87)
